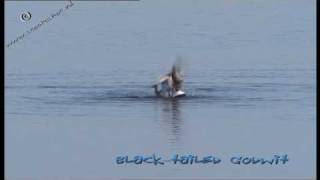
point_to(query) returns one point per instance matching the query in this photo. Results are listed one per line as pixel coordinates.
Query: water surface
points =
(78, 90)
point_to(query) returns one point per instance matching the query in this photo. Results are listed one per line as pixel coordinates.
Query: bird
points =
(170, 84)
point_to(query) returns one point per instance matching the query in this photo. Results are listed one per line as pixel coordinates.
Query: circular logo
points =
(25, 16)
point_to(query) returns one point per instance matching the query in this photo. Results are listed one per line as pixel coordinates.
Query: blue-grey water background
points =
(77, 90)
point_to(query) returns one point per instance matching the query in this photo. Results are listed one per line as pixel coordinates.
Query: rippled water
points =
(78, 98)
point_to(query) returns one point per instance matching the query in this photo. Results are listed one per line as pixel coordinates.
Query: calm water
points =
(77, 91)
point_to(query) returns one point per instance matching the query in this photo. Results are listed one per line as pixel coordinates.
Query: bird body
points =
(170, 85)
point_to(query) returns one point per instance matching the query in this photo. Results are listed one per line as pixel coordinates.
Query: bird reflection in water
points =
(170, 119)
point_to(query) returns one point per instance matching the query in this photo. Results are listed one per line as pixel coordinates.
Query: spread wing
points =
(177, 74)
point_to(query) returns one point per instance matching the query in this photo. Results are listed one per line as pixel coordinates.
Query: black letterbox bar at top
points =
(72, 0)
